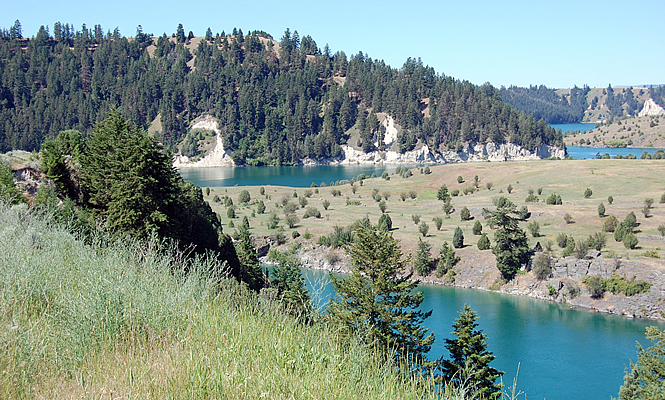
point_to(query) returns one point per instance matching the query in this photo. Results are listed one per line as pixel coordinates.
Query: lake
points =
(562, 353)
(582, 127)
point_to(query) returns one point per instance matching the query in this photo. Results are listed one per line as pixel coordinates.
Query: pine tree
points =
(447, 260)
(646, 378)
(290, 284)
(443, 194)
(469, 363)
(250, 270)
(458, 238)
(423, 262)
(377, 299)
(511, 246)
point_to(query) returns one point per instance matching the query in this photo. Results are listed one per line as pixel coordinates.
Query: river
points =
(562, 353)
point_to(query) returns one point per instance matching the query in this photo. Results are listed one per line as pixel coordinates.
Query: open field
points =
(630, 182)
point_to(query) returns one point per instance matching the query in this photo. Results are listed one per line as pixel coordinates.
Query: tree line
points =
(545, 103)
(278, 101)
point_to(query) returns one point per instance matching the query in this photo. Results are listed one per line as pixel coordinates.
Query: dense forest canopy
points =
(545, 103)
(277, 101)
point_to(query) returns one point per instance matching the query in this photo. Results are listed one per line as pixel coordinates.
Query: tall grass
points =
(122, 319)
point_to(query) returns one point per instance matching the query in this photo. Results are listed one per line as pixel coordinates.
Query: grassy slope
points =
(120, 321)
(641, 133)
(628, 181)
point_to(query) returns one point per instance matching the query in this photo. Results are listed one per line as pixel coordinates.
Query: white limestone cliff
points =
(217, 157)
(651, 109)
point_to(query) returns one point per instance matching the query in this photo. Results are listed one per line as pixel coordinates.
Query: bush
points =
(326, 204)
(415, 218)
(402, 196)
(454, 192)
(262, 191)
(610, 224)
(303, 201)
(231, 212)
(523, 214)
(541, 266)
(423, 260)
(570, 247)
(631, 220)
(308, 193)
(554, 199)
(385, 223)
(460, 179)
(465, 215)
(413, 194)
(581, 249)
(534, 228)
(489, 185)
(292, 220)
(597, 241)
(601, 210)
(662, 198)
(646, 211)
(483, 242)
(587, 193)
(458, 238)
(630, 240)
(610, 199)
(312, 212)
(562, 240)
(216, 199)
(595, 285)
(378, 198)
(477, 228)
(648, 202)
(427, 171)
(228, 202)
(295, 234)
(273, 221)
(661, 230)
(335, 192)
(568, 218)
(244, 197)
(621, 230)
(509, 189)
(386, 196)
(438, 221)
(423, 228)
(261, 207)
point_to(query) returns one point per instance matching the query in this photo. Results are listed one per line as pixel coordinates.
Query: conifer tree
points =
(469, 363)
(377, 299)
(290, 284)
(250, 270)
(646, 378)
(511, 246)
(423, 262)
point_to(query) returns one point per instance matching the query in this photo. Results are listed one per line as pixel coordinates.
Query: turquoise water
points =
(580, 152)
(583, 127)
(300, 176)
(562, 353)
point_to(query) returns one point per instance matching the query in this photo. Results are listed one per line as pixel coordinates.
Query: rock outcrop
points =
(218, 157)
(651, 109)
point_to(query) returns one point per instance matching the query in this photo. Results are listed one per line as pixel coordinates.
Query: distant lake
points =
(300, 176)
(580, 152)
(583, 127)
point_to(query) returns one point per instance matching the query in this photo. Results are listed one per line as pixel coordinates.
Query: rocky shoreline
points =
(477, 270)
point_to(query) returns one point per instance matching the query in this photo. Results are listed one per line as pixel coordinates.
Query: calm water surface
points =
(583, 127)
(563, 353)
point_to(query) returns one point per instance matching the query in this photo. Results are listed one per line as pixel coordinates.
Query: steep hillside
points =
(277, 102)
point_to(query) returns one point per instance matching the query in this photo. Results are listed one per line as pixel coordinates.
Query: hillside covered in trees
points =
(545, 103)
(277, 101)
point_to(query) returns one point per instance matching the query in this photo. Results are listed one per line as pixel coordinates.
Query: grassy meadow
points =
(120, 319)
(629, 182)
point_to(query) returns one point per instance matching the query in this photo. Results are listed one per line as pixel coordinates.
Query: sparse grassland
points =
(629, 182)
(630, 132)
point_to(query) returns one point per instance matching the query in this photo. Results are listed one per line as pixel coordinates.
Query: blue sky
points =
(555, 43)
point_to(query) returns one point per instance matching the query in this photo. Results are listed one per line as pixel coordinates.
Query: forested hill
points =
(545, 103)
(277, 101)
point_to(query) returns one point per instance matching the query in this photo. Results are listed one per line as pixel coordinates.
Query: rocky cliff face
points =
(651, 108)
(218, 157)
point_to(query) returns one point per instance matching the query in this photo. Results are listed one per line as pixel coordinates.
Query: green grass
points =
(121, 319)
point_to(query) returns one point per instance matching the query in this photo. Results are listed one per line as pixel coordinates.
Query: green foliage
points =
(523, 214)
(262, 191)
(427, 170)
(448, 207)
(385, 223)
(228, 202)
(292, 220)
(661, 230)
(610, 224)
(581, 249)
(458, 238)
(382, 206)
(511, 246)
(325, 204)
(438, 221)
(531, 198)
(601, 210)
(551, 290)
(231, 212)
(596, 286)
(484, 242)
(443, 194)
(459, 179)
(216, 199)
(588, 193)
(610, 199)
(621, 231)
(509, 189)
(303, 201)
(244, 197)
(261, 207)
(541, 266)
(415, 218)
(570, 247)
(377, 299)
(8, 191)
(454, 192)
(423, 228)
(534, 228)
(631, 220)
(562, 240)
(597, 241)
(662, 198)
(554, 199)
(287, 279)
(469, 363)
(273, 221)
(545, 103)
(447, 259)
(422, 264)
(250, 270)
(646, 378)
(630, 240)
(568, 218)
(465, 215)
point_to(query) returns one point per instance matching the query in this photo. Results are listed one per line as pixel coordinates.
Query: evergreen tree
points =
(477, 228)
(250, 270)
(458, 238)
(290, 284)
(447, 260)
(377, 298)
(8, 191)
(443, 194)
(511, 246)
(601, 210)
(385, 223)
(423, 261)
(469, 363)
(646, 378)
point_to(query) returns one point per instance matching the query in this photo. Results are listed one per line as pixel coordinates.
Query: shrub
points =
(244, 197)
(403, 196)
(661, 230)
(308, 193)
(423, 260)
(568, 218)
(415, 218)
(465, 215)
(261, 207)
(540, 191)
(460, 179)
(477, 228)
(621, 230)
(595, 286)
(562, 240)
(273, 221)
(523, 214)
(648, 202)
(483, 242)
(307, 235)
(216, 199)
(489, 185)
(458, 238)
(350, 202)
(531, 198)
(295, 194)
(231, 212)
(385, 223)
(570, 247)
(610, 224)
(290, 208)
(413, 194)
(631, 220)
(454, 192)
(386, 196)
(384, 175)
(353, 189)
(427, 171)
(610, 199)
(541, 266)
(630, 240)
(423, 228)
(597, 241)
(382, 206)
(438, 221)
(553, 199)
(295, 234)
(228, 202)
(601, 210)
(587, 193)
(303, 201)
(447, 260)
(646, 211)
(262, 191)
(581, 249)
(447, 207)
(378, 198)
(312, 212)
(662, 198)
(326, 204)
(292, 220)
(534, 228)
(335, 192)
(509, 189)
